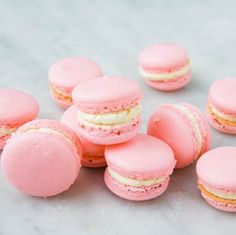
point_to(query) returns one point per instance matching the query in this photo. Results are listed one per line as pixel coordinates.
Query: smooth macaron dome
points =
(221, 107)
(65, 74)
(184, 128)
(139, 169)
(16, 108)
(93, 154)
(165, 66)
(217, 178)
(42, 158)
(108, 109)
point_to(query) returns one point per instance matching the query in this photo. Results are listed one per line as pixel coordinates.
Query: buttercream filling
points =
(220, 115)
(60, 92)
(196, 127)
(7, 131)
(229, 196)
(115, 118)
(134, 182)
(165, 76)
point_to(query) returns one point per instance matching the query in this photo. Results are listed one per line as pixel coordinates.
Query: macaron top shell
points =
(106, 93)
(67, 73)
(48, 124)
(163, 56)
(216, 168)
(36, 169)
(222, 95)
(17, 107)
(142, 157)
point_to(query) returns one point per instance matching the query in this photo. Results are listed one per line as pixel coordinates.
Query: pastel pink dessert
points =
(221, 110)
(65, 74)
(139, 169)
(165, 67)
(184, 128)
(42, 158)
(108, 109)
(93, 154)
(217, 178)
(16, 108)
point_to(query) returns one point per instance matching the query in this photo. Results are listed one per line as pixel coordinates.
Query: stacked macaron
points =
(65, 74)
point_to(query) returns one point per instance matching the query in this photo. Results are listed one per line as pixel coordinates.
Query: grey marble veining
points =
(33, 34)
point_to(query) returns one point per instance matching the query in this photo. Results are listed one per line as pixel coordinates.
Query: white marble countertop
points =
(33, 34)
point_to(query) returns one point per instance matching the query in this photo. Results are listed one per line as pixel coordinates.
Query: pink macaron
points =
(108, 109)
(217, 178)
(93, 154)
(165, 67)
(139, 169)
(16, 108)
(184, 128)
(42, 158)
(65, 74)
(221, 110)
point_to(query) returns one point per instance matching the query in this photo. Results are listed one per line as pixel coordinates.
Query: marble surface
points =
(33, 34)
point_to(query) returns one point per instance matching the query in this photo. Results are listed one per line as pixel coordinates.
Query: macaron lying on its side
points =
(93, 154)
(42, 158)
(108, 109)
(16, 108)
(165, 67)
(65, 74)
(139, 169)
(184, 128)
(221, 108)
(217, 178)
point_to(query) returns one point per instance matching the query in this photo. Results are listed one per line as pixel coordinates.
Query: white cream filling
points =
(195, 125)
(60, 92)
(165, 76)
(6, 131)
(229, 196)
(121, 117)
(134, 182)
(222, 115)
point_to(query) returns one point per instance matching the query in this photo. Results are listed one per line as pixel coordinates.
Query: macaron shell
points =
(110, 136)
(106, 94)
(164, 57)
(55, 126)
(171, 127)
(35, 168)
(171, 85)
(222, 95)
(17, 107)
(220, 205)
(134, 160)
(216, 168)
(68, 72)
(134, 193)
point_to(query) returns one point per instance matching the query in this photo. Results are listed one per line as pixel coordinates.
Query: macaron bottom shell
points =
(170, 85)
(109, 136)
(219, 205)
(135, 193)
(93, 161)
